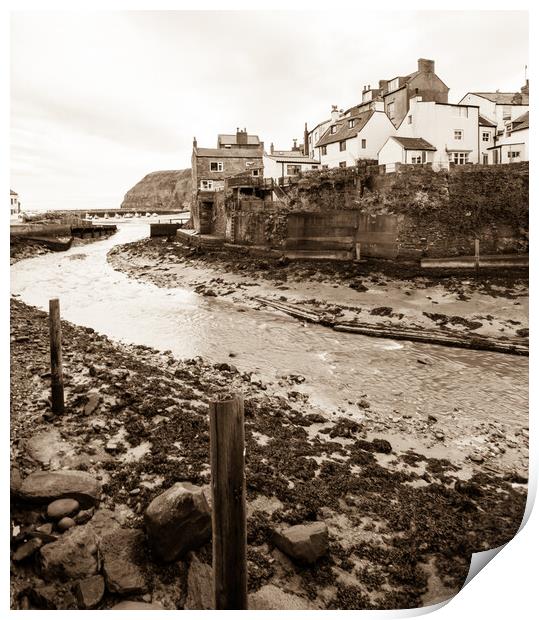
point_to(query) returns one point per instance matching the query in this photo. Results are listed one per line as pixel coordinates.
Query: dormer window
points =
(351, 123)
(393, 85)
(333, 129)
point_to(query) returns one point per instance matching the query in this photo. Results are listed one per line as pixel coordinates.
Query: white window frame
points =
(342, 145)
(513, 154)
(458, 134)
(486, 136)
(342, 164)
(256, 172)
(393, 85)
(351, 123)
(363, 143)
(333, 129)
(220, 166)
(458, 157)
(206, 185)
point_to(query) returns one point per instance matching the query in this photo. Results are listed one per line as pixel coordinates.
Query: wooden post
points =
(477, 257)
(57, 376)
(227, 439)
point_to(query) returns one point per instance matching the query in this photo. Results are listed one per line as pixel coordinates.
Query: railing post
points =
(227, 440)
(57, 376)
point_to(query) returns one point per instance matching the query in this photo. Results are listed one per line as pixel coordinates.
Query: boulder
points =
(26, 550)
(90, 591)
(122, 551)
(57, 596)
(92, 403)
(72, 556)
(61, 508)
(305, 543)
(272, 597)
(136, 605)
(177, 521)
(46, 486)
(199, 585)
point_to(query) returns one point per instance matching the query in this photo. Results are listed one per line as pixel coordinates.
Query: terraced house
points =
(239, 154)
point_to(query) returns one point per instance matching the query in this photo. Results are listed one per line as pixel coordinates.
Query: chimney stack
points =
(382, 84)
(425, 66)
(525, 90)
(295, 147)
(271, 148)
(334, 113)
(194, 142)
(241, 137)
(305, 140)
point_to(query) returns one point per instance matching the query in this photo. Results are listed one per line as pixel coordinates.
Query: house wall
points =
(231, 166)
(484, 145)
(391, 152)
(517, 141)
(274, 169)
(493, 111)
(436, 123)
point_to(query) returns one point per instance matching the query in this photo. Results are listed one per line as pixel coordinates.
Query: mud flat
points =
(378, 294)
(402, 520)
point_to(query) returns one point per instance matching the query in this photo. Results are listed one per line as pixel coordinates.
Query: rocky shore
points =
(340, 516)
(378, 294)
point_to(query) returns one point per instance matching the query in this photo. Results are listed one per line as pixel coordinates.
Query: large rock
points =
(136, 605)
(199, 585)
(305, 543)
(177, 521)
(272, 597)
(122, 551)
(46, 486)
(72, 556)
(90, 591)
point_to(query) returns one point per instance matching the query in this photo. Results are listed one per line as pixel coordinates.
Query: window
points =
(325, 167)
(457, 134)
(506, 112)
(416, 159)
(513, 154)
(351, 123)
(333, 129)
(292, 169)
(249, 164)
(324, 150)
(486, 136)
(228, 146)
(458, 158)
(393, 85)
(363, 143)
(485, 159)
(390, 110)
(508, 129)
(206, 184)
(342, 164)
(410, 120)
(342, 145)
(216, 166)
(256, 172)
(314, 167)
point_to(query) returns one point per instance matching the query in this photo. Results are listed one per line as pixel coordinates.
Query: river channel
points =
(339, 368)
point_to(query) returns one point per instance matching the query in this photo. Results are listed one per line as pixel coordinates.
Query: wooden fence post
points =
(477, 257)
(57, 376)
(227, 440)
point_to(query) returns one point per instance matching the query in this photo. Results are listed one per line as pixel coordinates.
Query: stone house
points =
(239, 155)
(281, 164)
(398, 92)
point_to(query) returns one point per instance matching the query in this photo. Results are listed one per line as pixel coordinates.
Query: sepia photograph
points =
(268, 305)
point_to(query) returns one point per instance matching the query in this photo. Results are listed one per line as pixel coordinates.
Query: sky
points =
(99, 99)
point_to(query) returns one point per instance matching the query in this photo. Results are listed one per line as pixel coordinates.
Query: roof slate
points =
(244, 153)
(343, 131)
(522, 122)
(293, 159)
(506, 98)
(414, 144)
(485, 122)
(226, 138)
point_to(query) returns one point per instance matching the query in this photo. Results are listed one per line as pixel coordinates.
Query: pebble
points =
(27, 549)
(61, 508)
(65, 524)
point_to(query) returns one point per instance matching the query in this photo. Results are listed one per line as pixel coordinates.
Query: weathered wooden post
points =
(476, 257)
(57, 376)
(227, 440)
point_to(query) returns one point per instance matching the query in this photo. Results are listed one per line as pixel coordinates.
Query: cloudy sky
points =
(100, 99)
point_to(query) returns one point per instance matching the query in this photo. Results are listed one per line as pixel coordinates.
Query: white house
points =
(287, 163)
(353, 137)
(14, 204)
(500, 107)
(453, 131)
(487, 138)
(513, 144)
(399, 150)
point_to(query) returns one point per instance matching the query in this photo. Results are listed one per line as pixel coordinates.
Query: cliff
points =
(165, 189)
